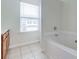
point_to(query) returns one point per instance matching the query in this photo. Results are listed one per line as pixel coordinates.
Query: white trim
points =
(67, 32)
(22, 44)
(50, 33)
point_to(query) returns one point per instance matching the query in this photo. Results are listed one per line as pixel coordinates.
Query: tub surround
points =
(60, 47)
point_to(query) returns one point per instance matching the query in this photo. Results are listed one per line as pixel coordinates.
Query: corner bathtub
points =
(59, 47)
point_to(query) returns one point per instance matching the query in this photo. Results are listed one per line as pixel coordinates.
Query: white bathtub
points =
(62, 46)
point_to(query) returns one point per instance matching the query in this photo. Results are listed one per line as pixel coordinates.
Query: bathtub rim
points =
(65, 48)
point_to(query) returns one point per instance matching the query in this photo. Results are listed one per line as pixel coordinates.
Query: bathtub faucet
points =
(75, 41)
(55, 28)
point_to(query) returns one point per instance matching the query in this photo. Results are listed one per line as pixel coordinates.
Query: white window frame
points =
(38, 19)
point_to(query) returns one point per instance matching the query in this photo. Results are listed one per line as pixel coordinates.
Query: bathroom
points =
(51, 35)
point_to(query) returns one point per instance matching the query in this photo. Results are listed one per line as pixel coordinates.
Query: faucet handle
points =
(75, 41)
(55, 28)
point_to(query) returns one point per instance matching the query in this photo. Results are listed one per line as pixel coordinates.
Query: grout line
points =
(21, 53)
(32, 52)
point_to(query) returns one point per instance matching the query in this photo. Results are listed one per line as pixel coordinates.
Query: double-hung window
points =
(29, 17)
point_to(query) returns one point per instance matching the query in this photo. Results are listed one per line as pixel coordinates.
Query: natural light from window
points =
(29, 17)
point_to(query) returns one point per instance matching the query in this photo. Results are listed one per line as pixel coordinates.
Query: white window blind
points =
(29, 17)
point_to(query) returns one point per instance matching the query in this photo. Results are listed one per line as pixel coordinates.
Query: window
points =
(29, 17)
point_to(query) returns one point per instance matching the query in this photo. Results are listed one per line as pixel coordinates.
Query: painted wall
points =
(54, 13)
(69, 16)
(51, 15)
(11, 20)
(60, 13)
(10, 17)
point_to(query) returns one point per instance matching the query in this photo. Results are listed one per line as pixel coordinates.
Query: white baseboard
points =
(22, 44)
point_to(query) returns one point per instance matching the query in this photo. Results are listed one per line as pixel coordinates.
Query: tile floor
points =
(32, 51)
